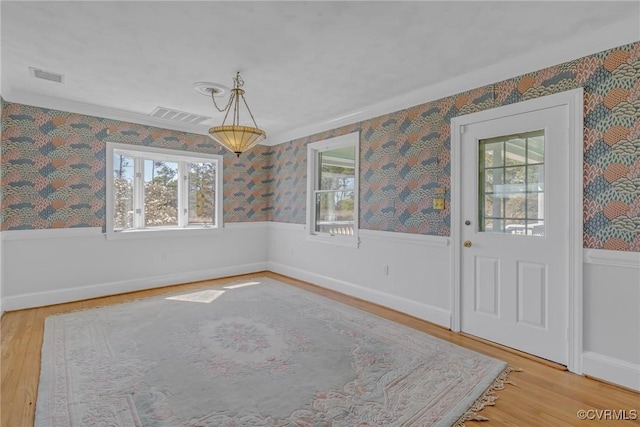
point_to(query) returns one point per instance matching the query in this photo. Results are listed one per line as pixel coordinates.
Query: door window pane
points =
(511, 190)
(160, 193)
(493, 154)
(515, 152)
(535, 178)
(515, 177)
(515, 206)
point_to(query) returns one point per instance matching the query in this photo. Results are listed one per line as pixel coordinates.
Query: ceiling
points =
(308, 66)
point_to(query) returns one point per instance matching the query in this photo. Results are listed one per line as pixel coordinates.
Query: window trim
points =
(165, 155)
(350, 139)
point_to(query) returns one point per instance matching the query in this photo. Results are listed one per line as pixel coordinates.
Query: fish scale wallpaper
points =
(53, 162)
(53, 168)
(405, 155)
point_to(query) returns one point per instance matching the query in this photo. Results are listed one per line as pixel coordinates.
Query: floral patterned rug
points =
(257, 353)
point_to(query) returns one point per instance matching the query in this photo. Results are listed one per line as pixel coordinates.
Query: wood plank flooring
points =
(543, 395)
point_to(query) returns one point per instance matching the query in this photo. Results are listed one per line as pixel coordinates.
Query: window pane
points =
(122, 192)
(493, 206)
(335, 212)
(535, 206)
(515, 206)
(515, 179)
(337, 169)
(494, 225)
(202, 193)
(515, 152)
(516, 226)
(160, 193)
(512, 194)
(535, 149)
(493, 154)
(535, 178)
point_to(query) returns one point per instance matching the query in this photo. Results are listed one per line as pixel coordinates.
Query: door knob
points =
(467, 243)
(467, 222)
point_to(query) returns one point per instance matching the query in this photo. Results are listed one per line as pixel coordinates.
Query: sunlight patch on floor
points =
(207, 296)
(242, 285)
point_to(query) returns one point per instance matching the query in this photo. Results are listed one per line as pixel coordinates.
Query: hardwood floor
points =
(543, 395)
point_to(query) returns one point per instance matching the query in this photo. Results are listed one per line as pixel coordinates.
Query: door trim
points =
(573, 99)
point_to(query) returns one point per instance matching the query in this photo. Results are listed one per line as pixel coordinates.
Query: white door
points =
(514, 263)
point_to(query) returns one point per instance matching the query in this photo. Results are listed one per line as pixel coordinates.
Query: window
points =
(332, 190)
(157, 189)
(512, 197)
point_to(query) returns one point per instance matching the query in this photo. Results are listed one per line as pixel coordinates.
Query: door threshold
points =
(552, 364)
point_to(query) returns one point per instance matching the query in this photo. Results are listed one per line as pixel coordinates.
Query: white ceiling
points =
(307, 65)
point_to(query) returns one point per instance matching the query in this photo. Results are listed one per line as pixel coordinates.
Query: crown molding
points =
(54, 103)
(619, 34)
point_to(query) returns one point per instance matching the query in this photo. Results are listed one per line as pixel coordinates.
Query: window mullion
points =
(183, 194)
(316, 187)
(138, 192)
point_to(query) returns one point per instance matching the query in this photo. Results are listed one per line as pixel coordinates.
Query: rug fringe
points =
(488, 398)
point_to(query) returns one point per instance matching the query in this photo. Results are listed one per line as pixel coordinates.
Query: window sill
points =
(163, 233)
(351, 241)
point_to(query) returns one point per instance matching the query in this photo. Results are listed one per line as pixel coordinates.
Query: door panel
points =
(514, 271)
(487, 285)
(532, 294)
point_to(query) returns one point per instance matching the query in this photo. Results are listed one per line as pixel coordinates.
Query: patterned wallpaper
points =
(611, 81)
(53, 168)
(53, 162)
(405, 155)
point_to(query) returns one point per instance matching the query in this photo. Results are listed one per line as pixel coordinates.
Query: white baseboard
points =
(611, 369)
(58, 296)
(426, 312)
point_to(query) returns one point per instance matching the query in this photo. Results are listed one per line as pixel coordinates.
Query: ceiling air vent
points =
(46, 75)
(178, 116)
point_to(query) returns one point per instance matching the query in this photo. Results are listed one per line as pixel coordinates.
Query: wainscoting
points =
(406, 272)
(43, 267)
(611, 346)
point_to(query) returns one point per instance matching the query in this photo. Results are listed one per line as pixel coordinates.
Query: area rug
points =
(257, 353)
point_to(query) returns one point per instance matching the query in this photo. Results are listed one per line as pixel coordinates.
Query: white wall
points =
(418, 266)
(612, 316)
(53, 266)
(43, 267)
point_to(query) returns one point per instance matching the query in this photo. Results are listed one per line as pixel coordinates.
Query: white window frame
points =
(161, 154)
(313, 149)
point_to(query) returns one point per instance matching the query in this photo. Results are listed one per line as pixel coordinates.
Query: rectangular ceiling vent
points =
(46, 75)
(177, 116)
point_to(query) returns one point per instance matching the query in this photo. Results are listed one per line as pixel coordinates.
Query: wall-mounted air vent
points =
(46, 75)
(178, 116)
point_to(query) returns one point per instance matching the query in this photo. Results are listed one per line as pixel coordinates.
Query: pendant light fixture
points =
(236, 137)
